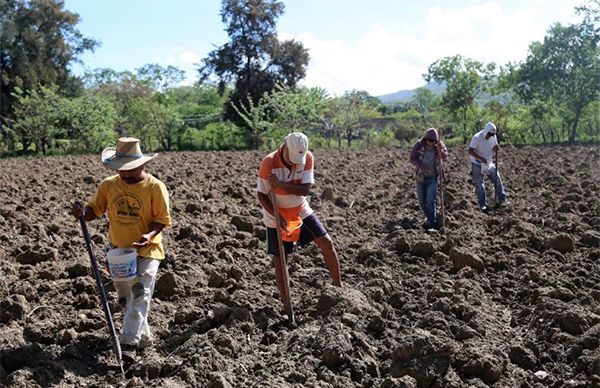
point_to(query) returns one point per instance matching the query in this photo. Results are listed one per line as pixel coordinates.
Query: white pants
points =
(134, 298)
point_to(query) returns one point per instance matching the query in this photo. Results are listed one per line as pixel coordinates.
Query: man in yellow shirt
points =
(137, 206)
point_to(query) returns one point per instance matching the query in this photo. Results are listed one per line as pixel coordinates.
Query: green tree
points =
(222, 135)
(38, 41)
(101, 77)
(564, 70)
(295, 109)
(132, 100)
(160, 78)
(37, 116)
(87, 123)
(47, 120)
(591, 122)
(410, 125)
(284, 110)
(255, 117)
(465, 80)
(253, 60)
(197, 105)
(354, 106)
(328, 123)
(167, 125)
(424, 101)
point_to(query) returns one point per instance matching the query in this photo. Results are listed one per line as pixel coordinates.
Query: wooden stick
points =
(116, 345)
(442, 183)
(496, 180)
(287, 301)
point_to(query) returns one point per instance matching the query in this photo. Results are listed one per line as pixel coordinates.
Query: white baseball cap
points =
(297, 145)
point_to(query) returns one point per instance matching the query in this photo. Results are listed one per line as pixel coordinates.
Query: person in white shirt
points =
(481, 151)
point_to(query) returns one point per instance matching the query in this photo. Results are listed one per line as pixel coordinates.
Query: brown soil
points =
(508, 298)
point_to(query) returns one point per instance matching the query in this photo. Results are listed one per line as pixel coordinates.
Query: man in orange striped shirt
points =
(289, 172)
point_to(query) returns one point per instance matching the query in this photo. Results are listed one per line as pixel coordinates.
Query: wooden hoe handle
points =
(282, 261)
(116, 346)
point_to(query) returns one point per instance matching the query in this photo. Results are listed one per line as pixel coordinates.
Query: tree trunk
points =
(464, 120)
(120, 129)
(255, 140)
(167, 143)
(26, 144)
(573, 134)
(542, 133)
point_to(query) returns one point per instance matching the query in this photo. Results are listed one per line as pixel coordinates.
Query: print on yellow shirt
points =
(129, 207)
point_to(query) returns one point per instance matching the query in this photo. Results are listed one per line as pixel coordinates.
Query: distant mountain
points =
(405, 95)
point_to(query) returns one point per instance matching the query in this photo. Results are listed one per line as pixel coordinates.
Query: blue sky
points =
(380, 46)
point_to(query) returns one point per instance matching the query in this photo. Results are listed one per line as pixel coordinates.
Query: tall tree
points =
(37, 115)
(253, 60)
(130, 95)
(424, 101)
(87, 123)
(285, 110)
(465, 79)
(354, 106)
(564, 69)
(146, 103)
(160, 78)
(46, 120)
(197, 105)
(38, 41)
(296, 109)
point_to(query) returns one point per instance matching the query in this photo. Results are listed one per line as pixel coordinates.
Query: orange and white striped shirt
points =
(299, 174)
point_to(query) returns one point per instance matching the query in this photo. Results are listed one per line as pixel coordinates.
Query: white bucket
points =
(122, 263)
(487, 168)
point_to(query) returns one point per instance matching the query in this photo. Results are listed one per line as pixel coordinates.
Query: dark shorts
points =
(311, 229)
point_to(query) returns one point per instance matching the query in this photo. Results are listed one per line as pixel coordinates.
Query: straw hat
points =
(127, 156)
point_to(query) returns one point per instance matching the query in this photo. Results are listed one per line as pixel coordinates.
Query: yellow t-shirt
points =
(131, 209)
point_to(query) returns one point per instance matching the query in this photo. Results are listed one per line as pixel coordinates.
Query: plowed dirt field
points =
(506, 299)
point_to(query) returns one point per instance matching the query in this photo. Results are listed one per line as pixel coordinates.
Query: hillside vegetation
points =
(249, 97)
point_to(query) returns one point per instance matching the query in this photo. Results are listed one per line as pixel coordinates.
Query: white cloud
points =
(388, 58)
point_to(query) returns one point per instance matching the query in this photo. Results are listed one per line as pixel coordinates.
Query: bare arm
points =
(296, 189)
(292, 188)
(476, 155)
(155, 228)
(266, 203)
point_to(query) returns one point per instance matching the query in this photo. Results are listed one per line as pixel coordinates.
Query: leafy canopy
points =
(465, 79)
(563, 70)
(38, 41)
(253, 60)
